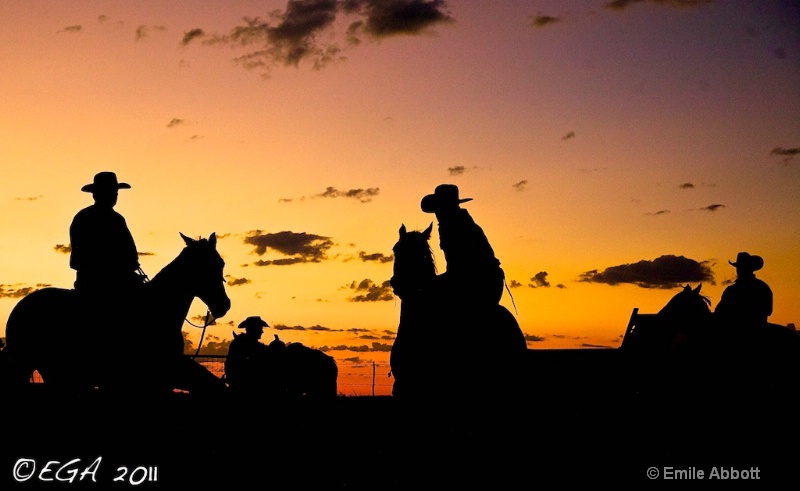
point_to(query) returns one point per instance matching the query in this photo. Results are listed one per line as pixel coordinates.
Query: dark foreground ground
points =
(564, 437)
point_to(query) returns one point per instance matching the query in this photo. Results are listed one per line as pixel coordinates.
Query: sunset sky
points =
(615, 150)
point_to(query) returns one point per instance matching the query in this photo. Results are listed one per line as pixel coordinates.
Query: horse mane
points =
(191, 247)
(689, 301)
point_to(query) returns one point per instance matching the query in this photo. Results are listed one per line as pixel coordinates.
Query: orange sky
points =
(591, 135)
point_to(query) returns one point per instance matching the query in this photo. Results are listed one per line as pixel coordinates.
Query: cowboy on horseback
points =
(103, 252)
(473, 274)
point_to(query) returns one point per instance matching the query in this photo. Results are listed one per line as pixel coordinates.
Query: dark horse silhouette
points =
(686, 346)
(280, 372)
(440, 353)
(92, 353)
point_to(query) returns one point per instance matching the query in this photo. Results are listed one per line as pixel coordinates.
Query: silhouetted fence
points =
(355, 378)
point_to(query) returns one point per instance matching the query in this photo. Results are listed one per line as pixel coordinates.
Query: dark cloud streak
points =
(665, 272)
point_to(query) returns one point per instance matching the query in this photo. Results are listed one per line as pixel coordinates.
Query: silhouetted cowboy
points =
(473, 272)
(748, 301)
(104, 253)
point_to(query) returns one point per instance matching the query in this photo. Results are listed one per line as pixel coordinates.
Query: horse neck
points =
(168, 292)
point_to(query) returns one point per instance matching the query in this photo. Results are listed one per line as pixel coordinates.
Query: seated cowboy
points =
(251, 366)
(748, 301)
(473, 274)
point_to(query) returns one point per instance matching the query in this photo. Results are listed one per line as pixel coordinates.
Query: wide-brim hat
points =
(748, 262)
(104, 181)
(253, 321)
(444, 196)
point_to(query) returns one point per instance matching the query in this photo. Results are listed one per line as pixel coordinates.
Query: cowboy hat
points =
(748, 262)
(445, 195)
(104, 181)
(253, 321)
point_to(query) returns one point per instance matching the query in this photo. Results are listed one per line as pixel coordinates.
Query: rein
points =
(209, 319)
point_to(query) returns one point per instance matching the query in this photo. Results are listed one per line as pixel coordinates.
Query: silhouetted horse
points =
(141, 349)
(684, 344)
(281, 372)
(438, 352)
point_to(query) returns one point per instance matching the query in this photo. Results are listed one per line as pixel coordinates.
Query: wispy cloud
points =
(623, 4)
(359, 194)
(787, 153)
(543, 20)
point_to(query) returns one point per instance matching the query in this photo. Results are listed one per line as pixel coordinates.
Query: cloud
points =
(456, 170)
(787, 153)
(144, 31)
(29, 198)
(362, 195)
(539, 280)
(375, 257)
(63, 249)
(300, 33)
(18, 291)
(73, 28)
(383, 18)
(543, 20)
(568, 136)
(622, 4)
(659, 212)
(520, 185)
(686, 185)
(375, 347)
(514, 284)
(191, 35)
(534, 339)
(713, 207)
(231, 281)
(665, 272)
(369, 291)
(301, 247)
(175, 122)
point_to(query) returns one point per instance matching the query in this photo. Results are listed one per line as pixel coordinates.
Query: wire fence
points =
(355, 378)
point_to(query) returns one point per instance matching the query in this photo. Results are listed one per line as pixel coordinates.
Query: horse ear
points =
(402, 229)
(213, 239)
(186, 239)
(428, 231)
(697, 290)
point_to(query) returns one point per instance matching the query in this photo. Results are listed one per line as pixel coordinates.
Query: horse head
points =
(203, 268)
(688, 305)
(414, 265)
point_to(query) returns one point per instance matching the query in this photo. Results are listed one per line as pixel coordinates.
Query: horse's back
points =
(38, 313)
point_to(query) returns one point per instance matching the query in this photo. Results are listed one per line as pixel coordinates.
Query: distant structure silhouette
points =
(103, 252)
(748, 301)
